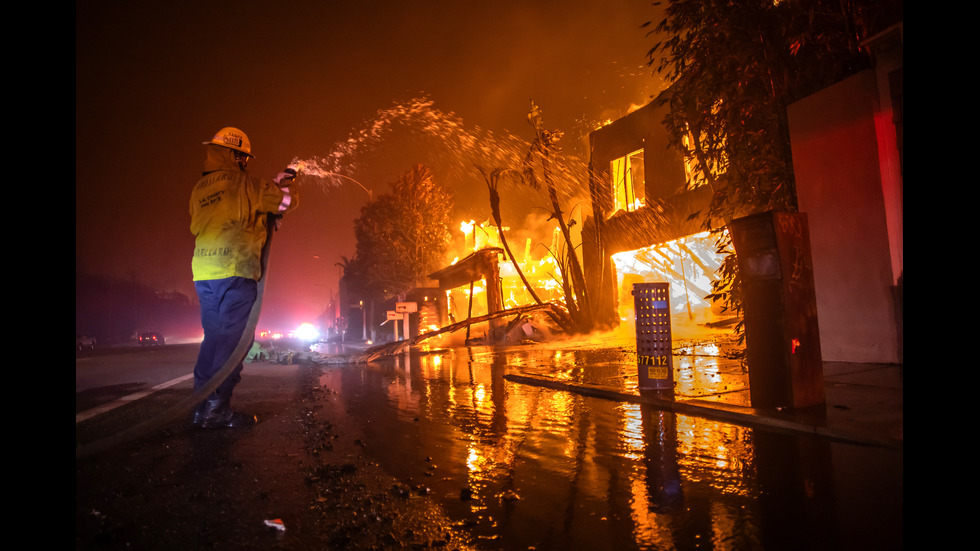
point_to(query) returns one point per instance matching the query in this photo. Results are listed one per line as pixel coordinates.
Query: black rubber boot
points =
(199, 413)
(217, 414)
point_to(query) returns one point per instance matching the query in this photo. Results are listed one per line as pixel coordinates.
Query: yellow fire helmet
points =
(232, 138)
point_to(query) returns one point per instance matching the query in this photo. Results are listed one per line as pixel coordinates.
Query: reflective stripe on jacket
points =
(228, 210)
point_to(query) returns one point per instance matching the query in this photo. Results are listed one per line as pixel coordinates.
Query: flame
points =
(689, 264)
(534, 260)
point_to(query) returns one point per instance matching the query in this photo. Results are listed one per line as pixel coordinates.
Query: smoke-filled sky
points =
(155, 80)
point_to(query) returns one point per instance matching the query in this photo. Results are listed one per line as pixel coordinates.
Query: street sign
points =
(407, 307)
(394, 315)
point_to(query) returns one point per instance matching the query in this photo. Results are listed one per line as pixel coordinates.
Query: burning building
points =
(641, 227)
(639, 230)
(485, 284)
(847, 143)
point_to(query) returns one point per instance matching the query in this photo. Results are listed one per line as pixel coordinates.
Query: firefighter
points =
(229, 211)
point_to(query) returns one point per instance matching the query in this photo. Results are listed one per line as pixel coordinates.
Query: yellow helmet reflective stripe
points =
(232, 138)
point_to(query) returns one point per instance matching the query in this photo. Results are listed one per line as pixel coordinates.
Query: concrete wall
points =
(837, 159)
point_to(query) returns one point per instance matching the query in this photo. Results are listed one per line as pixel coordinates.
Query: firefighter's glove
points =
(284, 178)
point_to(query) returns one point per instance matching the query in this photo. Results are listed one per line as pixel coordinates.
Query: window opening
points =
(629, 184)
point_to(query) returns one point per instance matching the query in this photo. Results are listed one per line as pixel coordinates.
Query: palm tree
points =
(543, 146)
(492, 179)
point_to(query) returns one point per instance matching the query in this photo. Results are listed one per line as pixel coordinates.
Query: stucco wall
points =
(839, 186)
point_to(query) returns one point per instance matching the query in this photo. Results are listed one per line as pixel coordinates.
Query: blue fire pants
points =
(225, 307)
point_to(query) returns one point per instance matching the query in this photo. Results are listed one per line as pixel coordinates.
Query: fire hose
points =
(184, 407)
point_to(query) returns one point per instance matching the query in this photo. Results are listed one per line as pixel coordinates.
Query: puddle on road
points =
(524, 466)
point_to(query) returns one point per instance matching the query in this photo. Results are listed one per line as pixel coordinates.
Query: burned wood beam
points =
(697, 260)
(388, 349)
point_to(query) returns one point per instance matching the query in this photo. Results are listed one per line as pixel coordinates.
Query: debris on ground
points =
(257, 353)
(277, 524)
(521, 316)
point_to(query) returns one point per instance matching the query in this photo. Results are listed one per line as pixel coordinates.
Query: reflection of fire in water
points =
(657, 477)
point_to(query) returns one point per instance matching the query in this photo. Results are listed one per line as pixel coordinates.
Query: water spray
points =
(447, 144)
(312, 168)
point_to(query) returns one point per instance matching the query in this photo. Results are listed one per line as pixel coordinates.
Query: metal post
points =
(782, 336)
(654, 357)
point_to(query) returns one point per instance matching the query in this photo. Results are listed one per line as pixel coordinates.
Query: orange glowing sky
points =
(154, 81)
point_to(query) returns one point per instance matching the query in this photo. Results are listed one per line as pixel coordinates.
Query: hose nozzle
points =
(295, 167)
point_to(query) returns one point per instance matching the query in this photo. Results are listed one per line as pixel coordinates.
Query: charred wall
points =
(669, 202)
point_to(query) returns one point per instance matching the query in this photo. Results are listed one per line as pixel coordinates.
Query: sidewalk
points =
(864, 402)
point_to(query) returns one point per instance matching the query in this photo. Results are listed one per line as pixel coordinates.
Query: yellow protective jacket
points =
(228, 215)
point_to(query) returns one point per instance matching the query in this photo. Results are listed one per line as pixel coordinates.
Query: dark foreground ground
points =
(192, 489)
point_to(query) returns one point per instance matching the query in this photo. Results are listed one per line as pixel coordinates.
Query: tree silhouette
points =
(401, 235)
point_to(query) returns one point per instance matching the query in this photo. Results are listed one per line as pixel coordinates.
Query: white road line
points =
(79, 417)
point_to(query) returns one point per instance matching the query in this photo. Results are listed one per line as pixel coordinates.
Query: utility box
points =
(782, 339)
(654, 356)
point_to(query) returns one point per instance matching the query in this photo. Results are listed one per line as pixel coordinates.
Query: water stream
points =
(416, 131)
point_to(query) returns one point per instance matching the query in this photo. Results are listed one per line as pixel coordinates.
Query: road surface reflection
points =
(529, 467)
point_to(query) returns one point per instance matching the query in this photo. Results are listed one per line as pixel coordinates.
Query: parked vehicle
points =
(151, 339)
(84, 342)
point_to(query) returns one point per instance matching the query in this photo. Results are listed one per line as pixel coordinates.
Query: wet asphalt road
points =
(439, 451)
